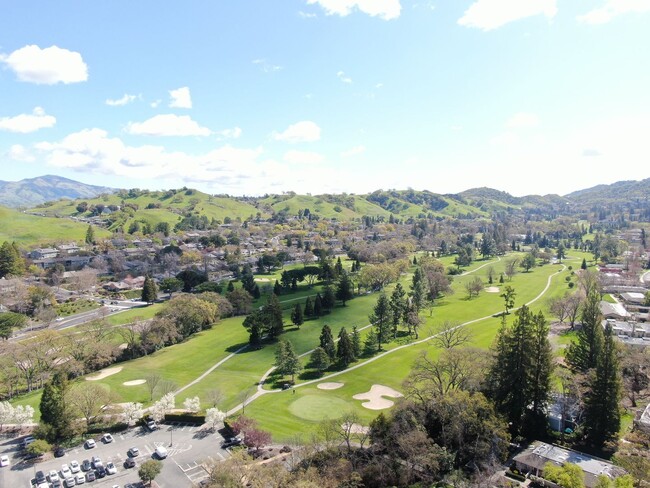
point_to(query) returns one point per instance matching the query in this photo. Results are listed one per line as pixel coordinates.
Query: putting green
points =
(319, 407)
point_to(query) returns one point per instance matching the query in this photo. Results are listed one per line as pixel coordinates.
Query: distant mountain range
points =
(34, 191)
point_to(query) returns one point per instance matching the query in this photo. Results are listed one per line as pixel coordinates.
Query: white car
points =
(70, 482)
(74, 467)
(107, 438)
(90, 443)
(66, 472)
(54, 476)
(161, 452)
(4, 461)
(80, 479)
(110, 468)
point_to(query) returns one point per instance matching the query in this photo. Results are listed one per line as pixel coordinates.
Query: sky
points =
(315, 96)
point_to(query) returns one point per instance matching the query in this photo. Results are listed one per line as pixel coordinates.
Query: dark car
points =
(231, 442)
(90, 476)
(101, 471)
(86, 466)
(59, 452)
(40, 477)
(129, 463)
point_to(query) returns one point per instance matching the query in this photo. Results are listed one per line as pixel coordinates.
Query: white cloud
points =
(345, 79)
(304, 131)
(46, 66)
(306, 15)
(353, 151)
(265, 66)
(522, 120)
(180, 98)
(155, 103)
(25, 123)
(18, 152)
(492, 14)
(613, 8)
(384, 9)
(233, 133)
(303, 157)
(168, 125)
(118, 102)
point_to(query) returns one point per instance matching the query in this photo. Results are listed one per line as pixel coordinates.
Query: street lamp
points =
(171, 434)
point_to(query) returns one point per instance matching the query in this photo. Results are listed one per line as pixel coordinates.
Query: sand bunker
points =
(134, 382)
(492, 289)
(329, 386)
(104, 373)
(262, 279)
(375, 397)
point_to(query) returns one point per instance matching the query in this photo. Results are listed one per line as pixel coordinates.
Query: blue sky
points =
(527, 96)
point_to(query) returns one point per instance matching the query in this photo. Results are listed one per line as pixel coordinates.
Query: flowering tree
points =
(214, 417)
(192, 404)
(132, 412)
(6, 413)
(23, 414)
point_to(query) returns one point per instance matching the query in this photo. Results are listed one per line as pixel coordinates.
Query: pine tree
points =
(277, 288)
(541, 355)
(149, 290)
(602, 412)
(329, 298)
(418, 290)
(231, 287)
(53, 407)
(327, 342)
(370, 344)
(583, 353)
(286, 360)
(11, 262)
(398, 307)
(296, 316)
(309, 308)
(318, 305)
(356, 342)
(256, 291)
(584, 264)
(344, 288)
(90, 235)
(339, 266)
(380, 319)
(273, 316)
(319, 360)
(345, 350)
(501, 280)
(255, 336)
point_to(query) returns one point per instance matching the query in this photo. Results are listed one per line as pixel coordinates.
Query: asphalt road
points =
(188, 448)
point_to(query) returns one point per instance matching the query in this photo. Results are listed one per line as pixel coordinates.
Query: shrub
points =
(571, 284)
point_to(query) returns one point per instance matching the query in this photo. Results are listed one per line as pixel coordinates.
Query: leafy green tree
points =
(508, 296)
(528, 262)
(38, 447)
(10, 321)
(320, 360)
(381, 320)
(398, 307)
(327, 342)
(90, 235)
(344, 288)
(560, 253)
(488, 247)
(11, 262)
(170, 285)
(582, 354)
(602, 410)
(149, 290)
(345, 350)
(191, 278)
(568, 475)
(297, 317)
(149, 470)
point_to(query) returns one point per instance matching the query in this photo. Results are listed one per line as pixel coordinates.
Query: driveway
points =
(188, 448)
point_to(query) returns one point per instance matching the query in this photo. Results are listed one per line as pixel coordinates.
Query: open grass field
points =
(300, 412)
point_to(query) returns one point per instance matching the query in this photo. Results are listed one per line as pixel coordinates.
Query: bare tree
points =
(166, 386)
(214, 397)
(511, 268)
(474, 287)
(89, 399)
(451, 334)
(152, 380)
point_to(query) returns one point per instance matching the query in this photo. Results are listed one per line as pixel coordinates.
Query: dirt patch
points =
(104, 373)
(134, 382)
(375, 397)
(356, 428)
(262, 280)
(329, 386)
(492, 289)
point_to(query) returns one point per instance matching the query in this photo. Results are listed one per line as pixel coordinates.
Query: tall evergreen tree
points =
(273, 315)
(418, 290)
(327, 342)
(329, 298)
(277, 288)
(345, 350)
(286, 360)
(583, 353)
(356, 342)
(339, 266)
(309, 308)
(398, 308)
(54, 410)
(583, 266)
(297, 316)
(370, 344)
(519, 379)
(320, 360)
(344, 288)
(380, 319)
(318, 305)
(90, 235)
(149, 290)
(602, 412)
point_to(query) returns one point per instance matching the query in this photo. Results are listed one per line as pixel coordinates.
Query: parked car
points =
(110, 468)
(133, 452)
(161, 452)
(70, 482)
(129, 463)
(86, 465)
(101, 471)
(54, 476)
(107, 438)
(59, 452)
(96, 461)
(65, 471)
(74, 466)
(4, 461)
(40, 477)
(80, 479)
(90, 476)
(231, 442)
(151, 425)
(90, 444)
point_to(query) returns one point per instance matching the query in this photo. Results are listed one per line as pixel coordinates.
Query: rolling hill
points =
(34, 191)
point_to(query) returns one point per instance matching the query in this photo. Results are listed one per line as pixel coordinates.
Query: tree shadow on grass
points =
(309, 375)
(235, 347)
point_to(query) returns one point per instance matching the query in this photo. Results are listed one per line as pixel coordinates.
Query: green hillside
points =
(29, 230)
(341, 207)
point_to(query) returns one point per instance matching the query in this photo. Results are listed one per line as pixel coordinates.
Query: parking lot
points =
(188, 448)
